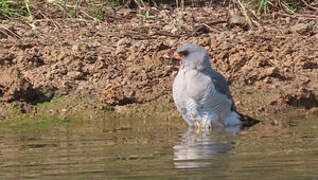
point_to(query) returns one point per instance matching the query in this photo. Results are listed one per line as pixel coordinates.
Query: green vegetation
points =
(145, 16)
(71, 9)
(36, 9)
(265, 6)
(17, 8)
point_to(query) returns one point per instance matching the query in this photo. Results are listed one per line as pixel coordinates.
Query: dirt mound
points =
(127, 60)
(14, 87)
(300, 98)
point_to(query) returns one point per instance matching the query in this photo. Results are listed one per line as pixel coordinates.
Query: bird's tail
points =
(247, 121)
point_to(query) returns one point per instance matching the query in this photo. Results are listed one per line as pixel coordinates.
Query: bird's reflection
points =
(198, 145)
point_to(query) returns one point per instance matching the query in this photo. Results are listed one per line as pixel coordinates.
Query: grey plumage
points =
(201, 94)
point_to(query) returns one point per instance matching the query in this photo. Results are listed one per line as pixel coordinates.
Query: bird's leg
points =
(192, 113)
(195, 116)
(210, 118)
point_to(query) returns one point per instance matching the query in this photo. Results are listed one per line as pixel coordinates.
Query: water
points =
(144, 150)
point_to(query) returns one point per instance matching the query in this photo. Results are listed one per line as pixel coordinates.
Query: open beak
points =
(176, 57)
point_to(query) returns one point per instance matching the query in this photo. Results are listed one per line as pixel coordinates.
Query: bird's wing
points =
(220, 84)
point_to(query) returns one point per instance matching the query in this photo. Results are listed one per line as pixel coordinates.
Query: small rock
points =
(271, 71)
(119, 50)
(132, 57)
(267, 80)
(300, 28)
(115, 95)
(75, 75)
(315, 36)
(204, 41)
(275, 123)
(76, 47)
(261, 109)
(314, 111)
(170, 42)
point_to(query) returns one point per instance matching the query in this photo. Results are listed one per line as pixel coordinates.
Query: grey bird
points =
(201, 94)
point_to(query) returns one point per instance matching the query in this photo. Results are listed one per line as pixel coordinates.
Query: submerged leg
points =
(210, 118)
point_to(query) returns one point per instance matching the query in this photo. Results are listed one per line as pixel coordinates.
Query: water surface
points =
(115, 149)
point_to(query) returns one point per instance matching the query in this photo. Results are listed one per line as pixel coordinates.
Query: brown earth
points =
(126, 59)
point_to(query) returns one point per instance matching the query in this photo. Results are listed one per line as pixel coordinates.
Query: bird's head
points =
(192, 56)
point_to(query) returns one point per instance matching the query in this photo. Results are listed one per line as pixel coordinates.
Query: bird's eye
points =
(184, 53)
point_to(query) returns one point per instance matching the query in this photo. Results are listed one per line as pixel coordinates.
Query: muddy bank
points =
(126, 60)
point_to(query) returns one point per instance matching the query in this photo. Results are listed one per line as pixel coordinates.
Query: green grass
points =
(263, 6)
(17, 8)
(145, 16)
(266, 6)
(26, 9)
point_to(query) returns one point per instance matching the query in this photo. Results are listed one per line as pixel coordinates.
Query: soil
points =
(127, 59)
